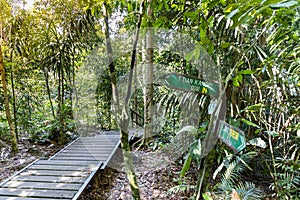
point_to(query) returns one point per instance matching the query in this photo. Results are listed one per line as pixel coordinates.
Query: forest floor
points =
(156, 178)
(28, 152)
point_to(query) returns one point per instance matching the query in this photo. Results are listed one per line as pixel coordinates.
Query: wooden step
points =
(73, 173)
(42, 185)
(36, 193)
(50, 179)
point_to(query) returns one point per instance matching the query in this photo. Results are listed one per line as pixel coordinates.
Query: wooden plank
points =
(87, 147)
(22, 198)
(41, 185)
(67, 163)
(87, 158)
(86, 155)
(55, 173)
(79, 150)
(36, 193)
(64, 148)
(106, 138)
(110, 133)
(83, 147)
(53, 179)
(98, 141)
(61, 167)
(78, 154)
(101, 136)
(92, 149)
(92, 143)
(102, 158)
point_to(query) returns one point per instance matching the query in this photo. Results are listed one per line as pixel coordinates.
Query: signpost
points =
(190, 84)
(232, 136)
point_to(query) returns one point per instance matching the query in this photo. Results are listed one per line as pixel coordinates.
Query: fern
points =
(234, 166)
(180, 189)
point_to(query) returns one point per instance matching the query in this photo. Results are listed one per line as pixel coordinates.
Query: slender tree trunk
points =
(111, 64)
(48, 91)
(148, 90)
(6, 104)
(14, 96)
(62, 87)
(123, 112)
(135, 97)
(59, 110)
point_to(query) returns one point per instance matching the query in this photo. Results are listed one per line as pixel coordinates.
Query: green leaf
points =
(190, 129)
(249, 123)
(273, 133)
(186, 165)
(247, 72)
(225, 45)
(231, 14)
(189, 56)
(191, 15)
(286, 4)
(129, 7)
(195, 148)
(240, 63)
(254, 107)
(235, 82)
(167, 7)
(240, 78)
(206, 196)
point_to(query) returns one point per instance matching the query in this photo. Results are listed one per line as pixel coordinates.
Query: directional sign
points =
(232, 136)
(190, 84)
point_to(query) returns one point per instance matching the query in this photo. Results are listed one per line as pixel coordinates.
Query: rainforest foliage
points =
(71, 67)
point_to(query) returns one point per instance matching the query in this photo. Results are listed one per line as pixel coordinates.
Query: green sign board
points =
(232, 136)
(190, 84)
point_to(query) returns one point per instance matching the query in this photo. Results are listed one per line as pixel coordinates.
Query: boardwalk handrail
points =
(137, 118)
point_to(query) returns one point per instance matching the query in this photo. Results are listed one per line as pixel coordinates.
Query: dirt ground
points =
(155, 175)
(28, 152)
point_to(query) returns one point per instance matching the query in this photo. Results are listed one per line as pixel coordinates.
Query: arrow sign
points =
(190, 84)
(232, 136)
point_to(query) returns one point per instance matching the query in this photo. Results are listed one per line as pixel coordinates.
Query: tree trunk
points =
(148, 88)
(113, 76)
(6, 105)
(58, 136)
(14, 97)
(48, 91)
(123, 113)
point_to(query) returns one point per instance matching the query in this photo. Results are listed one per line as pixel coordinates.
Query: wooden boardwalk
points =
(66, 174)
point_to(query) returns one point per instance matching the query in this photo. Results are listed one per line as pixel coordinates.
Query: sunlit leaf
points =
(273, 133)
(249, 123)
(285, 4)
(258, 142)
(206, 196)
(247, 72)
